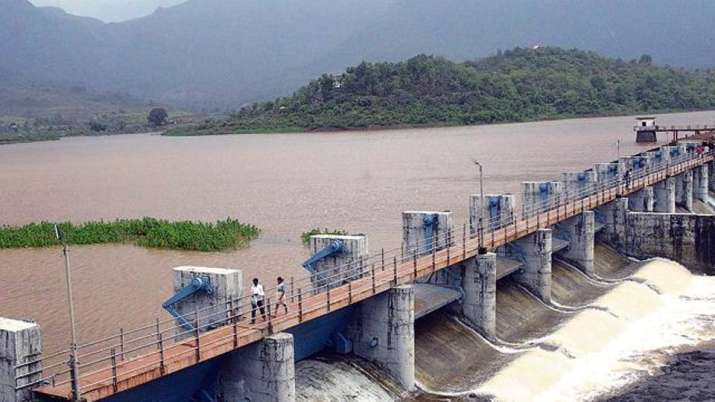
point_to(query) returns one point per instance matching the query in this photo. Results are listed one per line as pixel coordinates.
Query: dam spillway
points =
(530, 289)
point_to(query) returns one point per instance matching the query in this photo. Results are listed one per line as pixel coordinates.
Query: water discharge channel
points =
(361, 182)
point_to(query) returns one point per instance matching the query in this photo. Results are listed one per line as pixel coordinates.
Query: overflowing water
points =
(599, 335)
(630, 331)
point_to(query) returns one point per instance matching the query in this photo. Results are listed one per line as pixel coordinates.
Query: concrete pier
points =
(701, 182)
(657, 159)
(609, 174)
(685, 238)
(424, 230)
(535, 250)
(538, 196)
(383, 332)
(684, 190)
(498, 211)
(580, 233)
(673, 153)
(643, 136)
(614, 215)
(637, 164)
(664, 192)
(642, 200)
(261, 372)
(579, 184)
(711, 176)
(20, 342)
(225, 284)
(480, 293)
(342, 266)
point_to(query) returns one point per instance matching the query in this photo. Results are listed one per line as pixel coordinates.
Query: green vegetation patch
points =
(148, 232)
(305, 237)
(511, 86)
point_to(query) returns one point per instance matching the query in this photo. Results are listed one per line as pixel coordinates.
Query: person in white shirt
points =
(281, 291)
(257, 296)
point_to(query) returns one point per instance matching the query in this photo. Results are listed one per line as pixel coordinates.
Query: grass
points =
(20, 137)
(305, 237)
(148, 232)
(196, 131)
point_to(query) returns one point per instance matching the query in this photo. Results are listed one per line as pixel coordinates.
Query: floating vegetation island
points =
(223, 235)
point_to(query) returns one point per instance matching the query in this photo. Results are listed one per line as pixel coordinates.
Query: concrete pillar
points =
(684, 190)
(664, 192)
(615, 215)
(642, 200)
(579, 184)
(383, 332)
(645, 136)
(609, 174)
(674, 153)
(346, 265)
(226, 284)
(580, 233)
(423, 230)
(700, 191)
(657, 160)
(535, 251)
(480, 292)
(498, 211)
(539, 196)
(261, 372)
(637, 164)
(711, 176)
(20, 342)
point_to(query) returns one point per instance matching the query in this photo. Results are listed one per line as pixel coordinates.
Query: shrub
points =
(149, 232)
(305, 237)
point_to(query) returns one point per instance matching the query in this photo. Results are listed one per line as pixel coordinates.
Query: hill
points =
(516, 85)
(207, 54)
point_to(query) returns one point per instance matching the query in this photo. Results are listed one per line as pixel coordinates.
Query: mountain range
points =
(205, 54)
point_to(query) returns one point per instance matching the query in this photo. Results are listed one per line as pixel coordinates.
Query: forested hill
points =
(516, 85)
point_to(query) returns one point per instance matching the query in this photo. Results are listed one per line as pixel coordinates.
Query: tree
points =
(97, 126)
(157, 116)
(645, 59)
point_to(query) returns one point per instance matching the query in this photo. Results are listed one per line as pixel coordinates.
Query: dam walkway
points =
(119, 363)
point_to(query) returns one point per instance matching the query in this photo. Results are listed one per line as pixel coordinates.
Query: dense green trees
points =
(157, 116)
(514, 85)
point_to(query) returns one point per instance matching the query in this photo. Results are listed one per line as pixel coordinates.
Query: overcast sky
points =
(108, 10)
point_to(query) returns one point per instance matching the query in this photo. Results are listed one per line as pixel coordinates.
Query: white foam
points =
(598, 351)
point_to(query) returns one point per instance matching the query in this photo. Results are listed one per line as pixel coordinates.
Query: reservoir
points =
(283, 183)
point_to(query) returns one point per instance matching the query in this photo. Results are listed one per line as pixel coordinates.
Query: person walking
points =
(281, 291)
(257, 297)
(628, 179)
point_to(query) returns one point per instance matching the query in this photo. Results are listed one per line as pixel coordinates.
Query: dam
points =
(369, 305)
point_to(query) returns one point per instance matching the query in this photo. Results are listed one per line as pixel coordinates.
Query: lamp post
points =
(74, 373)
(481, 250)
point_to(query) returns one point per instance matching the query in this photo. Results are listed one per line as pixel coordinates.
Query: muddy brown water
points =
(285, 184)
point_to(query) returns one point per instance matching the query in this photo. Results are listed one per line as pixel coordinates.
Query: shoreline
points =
(300, 130)
(296, 130)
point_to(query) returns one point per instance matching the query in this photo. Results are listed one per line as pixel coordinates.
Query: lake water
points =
(284, 184)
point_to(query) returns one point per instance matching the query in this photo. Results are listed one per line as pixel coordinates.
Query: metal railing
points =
(160, 345)
(674, 128)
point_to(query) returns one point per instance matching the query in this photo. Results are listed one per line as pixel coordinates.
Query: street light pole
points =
(74, 374)
(482, 202)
